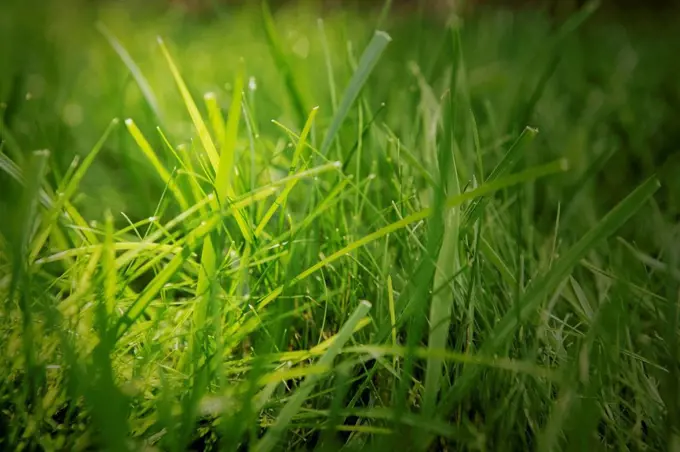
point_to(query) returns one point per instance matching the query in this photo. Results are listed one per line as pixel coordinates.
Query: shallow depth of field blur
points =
(304, 225)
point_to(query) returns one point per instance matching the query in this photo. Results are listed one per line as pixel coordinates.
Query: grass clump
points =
(408, 264)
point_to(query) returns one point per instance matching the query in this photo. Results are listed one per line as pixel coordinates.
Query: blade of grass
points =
(283, 64)
(203, 134)
(281, 199)
(21, 278)
(109, 266)
(271, 438)
(143, 84)
(447, 264)
(67, 193)
(149, 153)
(507, 164)
(366, 64)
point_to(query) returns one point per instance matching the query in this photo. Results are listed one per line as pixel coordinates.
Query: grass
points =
(270, 231)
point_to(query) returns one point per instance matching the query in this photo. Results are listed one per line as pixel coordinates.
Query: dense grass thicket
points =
(297, 228)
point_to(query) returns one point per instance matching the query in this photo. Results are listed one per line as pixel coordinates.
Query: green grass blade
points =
(203, 134)
(225, 172)
(142, 82)
(216, 118)
(149, 153)
(366, 64)
(507, 164)
(270, 439)
(281, 199)
(283, 64)
(71, 187)
(109, 266)
(21, 278)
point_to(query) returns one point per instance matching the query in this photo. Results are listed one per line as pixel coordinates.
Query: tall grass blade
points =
(203, 134)
(67, 193)
(136, 72)
(270, 439)
(367, 62)
(283, 63)
(149, 153)
(281, 199)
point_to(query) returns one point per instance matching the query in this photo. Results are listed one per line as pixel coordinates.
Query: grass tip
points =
(384, 35)
(366, 303)
(129, 122)
(42, 153)
(159, 40)
(337, 164)
(564, 164)
(115, 121)
(209, 96)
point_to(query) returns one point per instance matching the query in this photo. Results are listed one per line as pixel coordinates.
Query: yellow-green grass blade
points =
(332, 198)
(149, 153)
(145, 246)
(281, 199)
(184, 160)
(508, 364)
(223, 182)
(65, 195)
(190, 243)
(223, 191)
(215, 117)
(393, 316)
(203, 134)
(109, 266)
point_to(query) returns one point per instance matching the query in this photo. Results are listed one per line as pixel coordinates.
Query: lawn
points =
(304, 228)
